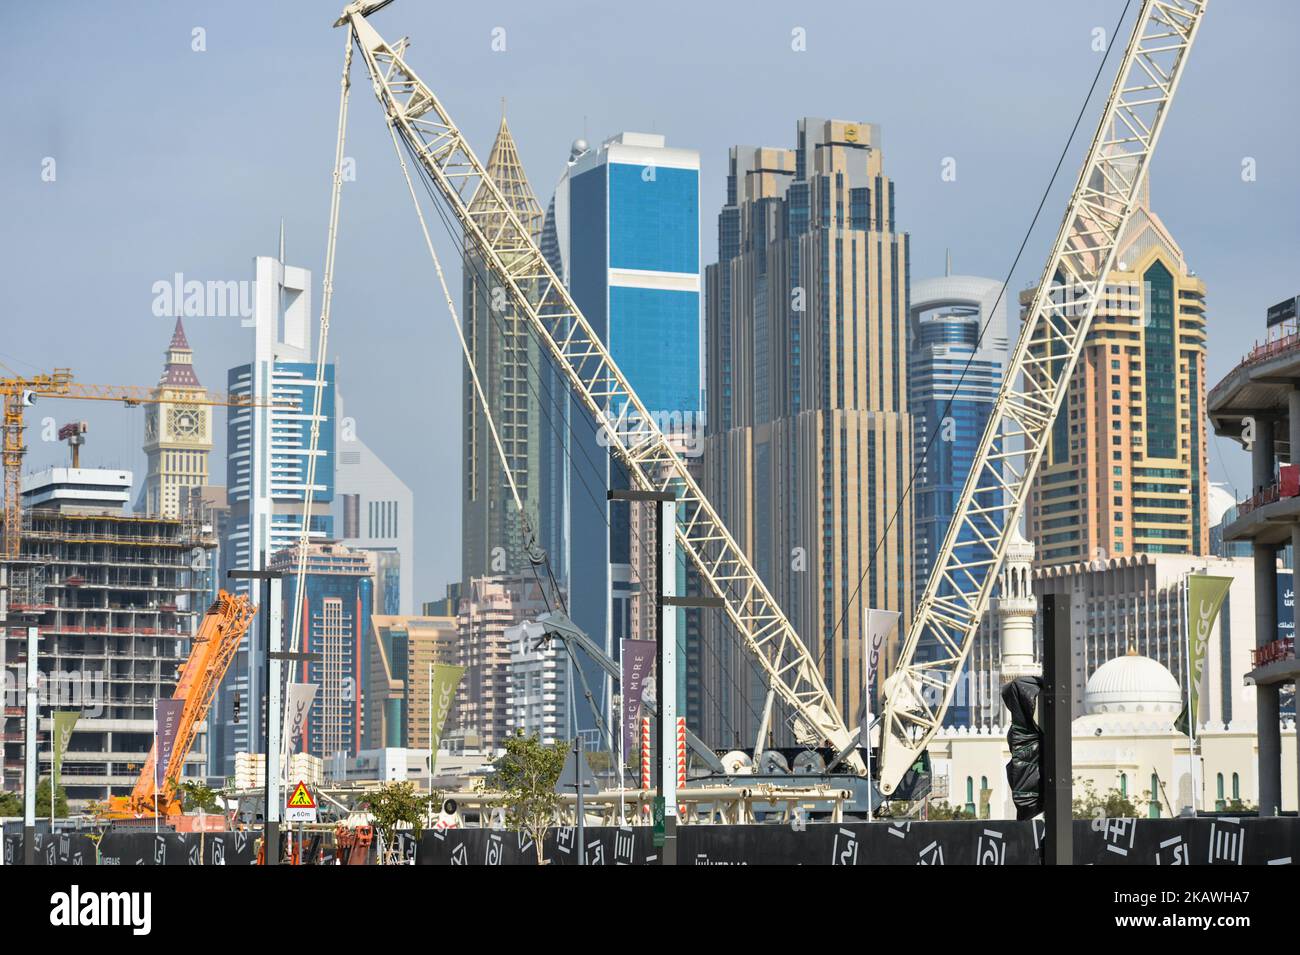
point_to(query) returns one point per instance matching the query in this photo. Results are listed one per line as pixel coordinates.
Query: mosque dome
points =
(1132, 684)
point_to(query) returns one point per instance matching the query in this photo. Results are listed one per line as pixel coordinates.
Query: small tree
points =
(1093, 805)
(527, 774)
(43, 799)
(393, 805)
(195, 795)
(941, 811)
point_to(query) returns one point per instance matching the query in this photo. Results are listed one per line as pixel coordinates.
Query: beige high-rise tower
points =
(177, 435)
(1124, 469)
(809, 442)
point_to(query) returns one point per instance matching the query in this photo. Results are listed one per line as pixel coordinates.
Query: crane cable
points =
(327, 294)
(460, 334)
(487, 413)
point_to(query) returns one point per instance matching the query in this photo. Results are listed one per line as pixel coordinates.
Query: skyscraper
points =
(177, 437)
(402, 652)
(375, 510)
(623, 232)
(953, 377)
(509, 362)
(337, 601)
(1124, 472)
(267, 453)
(809, 443)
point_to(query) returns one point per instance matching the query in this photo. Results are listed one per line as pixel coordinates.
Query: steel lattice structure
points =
(918, 693)
(492, 228)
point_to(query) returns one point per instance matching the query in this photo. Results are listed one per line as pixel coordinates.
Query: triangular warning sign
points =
(301, 798)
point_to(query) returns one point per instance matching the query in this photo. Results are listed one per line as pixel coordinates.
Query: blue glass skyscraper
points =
(953, 378)
(623, 232)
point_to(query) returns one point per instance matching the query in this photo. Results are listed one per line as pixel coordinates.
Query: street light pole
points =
(272, 630)
(29, 771)
(667, 602)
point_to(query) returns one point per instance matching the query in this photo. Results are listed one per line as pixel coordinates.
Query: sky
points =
(182, 133)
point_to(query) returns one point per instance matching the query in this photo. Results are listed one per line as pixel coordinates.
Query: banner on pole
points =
(1205, 596)
(168, 722)
(877, 628)
(445, 680)
(638, 659)
(65, 721)
(297, 706)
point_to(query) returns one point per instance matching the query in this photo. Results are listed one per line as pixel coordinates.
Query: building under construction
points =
(115, 601)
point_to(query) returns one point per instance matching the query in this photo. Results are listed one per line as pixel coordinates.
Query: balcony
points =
(1268, 515)
(1274, 663)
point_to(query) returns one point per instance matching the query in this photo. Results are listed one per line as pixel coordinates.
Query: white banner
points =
(876, 629)
(297, 704)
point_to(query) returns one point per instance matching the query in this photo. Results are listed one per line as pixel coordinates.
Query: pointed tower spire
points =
(507, 172)
(179, 370)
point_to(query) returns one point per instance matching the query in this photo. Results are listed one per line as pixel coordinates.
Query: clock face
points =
(185, 422)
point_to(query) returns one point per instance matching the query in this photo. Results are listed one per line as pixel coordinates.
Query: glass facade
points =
(1161, 364)
(654, 218)
(632, 256)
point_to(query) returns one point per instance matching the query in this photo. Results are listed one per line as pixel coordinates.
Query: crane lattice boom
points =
(918, 692)
(495, 231)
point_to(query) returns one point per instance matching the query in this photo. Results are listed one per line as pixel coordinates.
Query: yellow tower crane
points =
(20, 393)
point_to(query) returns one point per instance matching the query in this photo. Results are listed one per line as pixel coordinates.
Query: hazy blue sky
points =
(171, 160)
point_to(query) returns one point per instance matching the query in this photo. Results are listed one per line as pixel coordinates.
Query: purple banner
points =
(167, 715)
(638, 661)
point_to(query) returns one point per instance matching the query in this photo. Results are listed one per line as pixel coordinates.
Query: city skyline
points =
(1196, 199)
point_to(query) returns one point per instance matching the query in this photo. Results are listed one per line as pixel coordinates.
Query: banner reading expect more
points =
(638, 660)
(167, 721)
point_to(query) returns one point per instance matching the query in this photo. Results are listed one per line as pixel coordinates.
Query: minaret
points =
(1016, 608)
(177, 434)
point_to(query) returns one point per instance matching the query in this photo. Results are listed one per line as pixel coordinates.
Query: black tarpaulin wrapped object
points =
(1025, 740)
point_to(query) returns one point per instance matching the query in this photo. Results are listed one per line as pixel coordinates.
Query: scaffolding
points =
(115, 598)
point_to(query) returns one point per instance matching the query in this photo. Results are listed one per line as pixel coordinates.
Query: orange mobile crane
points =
(223, 627)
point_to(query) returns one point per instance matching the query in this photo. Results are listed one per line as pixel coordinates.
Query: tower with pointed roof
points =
(508, 360)
(177, 433)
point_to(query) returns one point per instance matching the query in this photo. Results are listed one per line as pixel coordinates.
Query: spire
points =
(507, 172)
(179, 341)
(179, 370)
(947, 269)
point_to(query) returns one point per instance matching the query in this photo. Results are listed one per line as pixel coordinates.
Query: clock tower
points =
(177, 434)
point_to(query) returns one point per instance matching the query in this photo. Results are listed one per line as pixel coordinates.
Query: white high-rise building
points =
(374, 510)
(267, 453)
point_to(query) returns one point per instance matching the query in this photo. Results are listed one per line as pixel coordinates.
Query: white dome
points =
(1132, 684)
(1220, 501)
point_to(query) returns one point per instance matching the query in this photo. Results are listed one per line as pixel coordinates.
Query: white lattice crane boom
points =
(494, 230)
(918, 692)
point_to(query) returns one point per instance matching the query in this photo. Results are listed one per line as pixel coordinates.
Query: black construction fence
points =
(1199, 841)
